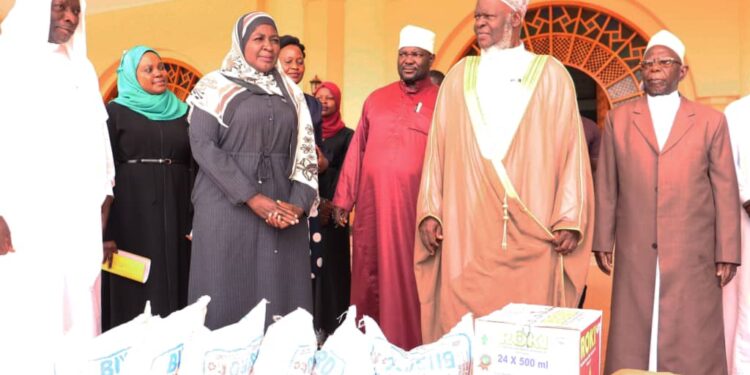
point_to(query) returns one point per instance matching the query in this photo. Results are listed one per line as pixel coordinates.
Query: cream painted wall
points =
(288, 14)
(365, 59)
(371, 41)
(744, 20)
(189, 30)
(4, 7)
(324, 36)
(354, 42)
(713, 44)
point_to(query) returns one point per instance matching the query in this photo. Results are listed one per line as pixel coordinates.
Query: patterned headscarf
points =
(216, 90)
(235, 65)
(159, 107)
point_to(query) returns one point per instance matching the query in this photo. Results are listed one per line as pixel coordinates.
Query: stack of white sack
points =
(105, 354)
(347, 351)
(181, 344)
(146, 345)
(451, 355)
(230, 350)
(288, 347)
(350, 352)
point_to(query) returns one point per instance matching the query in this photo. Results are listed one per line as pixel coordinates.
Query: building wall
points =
(354, 42)
(744, 47)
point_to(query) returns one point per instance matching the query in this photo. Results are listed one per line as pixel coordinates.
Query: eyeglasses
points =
(662, 63)
(413, 55)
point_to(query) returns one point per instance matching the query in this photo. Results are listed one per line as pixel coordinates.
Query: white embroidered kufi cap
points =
(415, 36)
(517, 5)
(669, 40)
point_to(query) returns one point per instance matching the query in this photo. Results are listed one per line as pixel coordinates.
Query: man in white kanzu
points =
(737, 293)
(667, 207)
(56, 184)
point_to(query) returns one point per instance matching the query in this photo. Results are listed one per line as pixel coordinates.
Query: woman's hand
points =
(110, 249)
(325, 212)
(261, 205)
(290, 211)
(273, 213)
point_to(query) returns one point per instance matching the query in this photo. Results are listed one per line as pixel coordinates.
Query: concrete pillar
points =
(324, 40)
(366, 55)
(745, 47)
(288, 14)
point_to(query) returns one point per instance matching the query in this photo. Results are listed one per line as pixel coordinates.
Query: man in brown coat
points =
(666, 199)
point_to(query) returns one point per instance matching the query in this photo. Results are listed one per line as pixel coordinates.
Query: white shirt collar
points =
(670, 100)
(663, 110)
(504, 64)
(495, 52)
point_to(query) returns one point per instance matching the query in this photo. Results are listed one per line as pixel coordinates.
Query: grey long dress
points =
(237, 258)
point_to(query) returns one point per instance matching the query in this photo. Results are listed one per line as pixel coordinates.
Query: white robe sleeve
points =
(109, 178)
(739, 132)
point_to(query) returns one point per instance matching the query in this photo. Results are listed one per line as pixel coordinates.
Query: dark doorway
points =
(586, 89)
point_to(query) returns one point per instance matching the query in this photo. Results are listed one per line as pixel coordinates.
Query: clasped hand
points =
(565, 241)
(340, 216)
(277, 214)
(431, 234)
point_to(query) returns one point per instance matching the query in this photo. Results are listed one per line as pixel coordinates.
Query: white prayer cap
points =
(669, 40)
(517, 5)
(415, 36)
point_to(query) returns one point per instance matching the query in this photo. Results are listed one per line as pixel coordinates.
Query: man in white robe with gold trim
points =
(506, 202)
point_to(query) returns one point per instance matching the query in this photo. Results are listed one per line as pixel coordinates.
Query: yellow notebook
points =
(129, 265)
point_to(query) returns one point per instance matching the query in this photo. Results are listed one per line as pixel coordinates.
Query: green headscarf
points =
(162, 107)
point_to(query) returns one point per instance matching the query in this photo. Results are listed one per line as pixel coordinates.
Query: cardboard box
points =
(538, 340)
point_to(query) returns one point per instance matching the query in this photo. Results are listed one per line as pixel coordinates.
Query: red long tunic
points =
(381, 176)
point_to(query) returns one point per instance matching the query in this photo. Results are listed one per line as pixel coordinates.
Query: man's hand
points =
(322, 161)
(431, 234)
(6, 244)
(604, 261)
(340, 216)
(110, 248)
(725, 272)
(566, 241)
(325, 212)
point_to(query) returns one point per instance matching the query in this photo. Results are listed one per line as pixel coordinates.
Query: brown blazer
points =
(682, 205)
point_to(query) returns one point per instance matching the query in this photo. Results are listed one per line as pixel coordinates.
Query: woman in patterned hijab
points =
(251, 134)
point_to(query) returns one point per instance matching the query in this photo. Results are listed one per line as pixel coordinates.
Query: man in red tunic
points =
(380, 176)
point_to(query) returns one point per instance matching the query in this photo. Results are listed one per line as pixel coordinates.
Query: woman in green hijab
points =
(151, 213)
